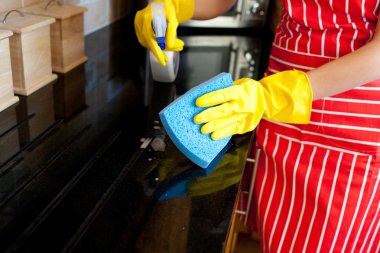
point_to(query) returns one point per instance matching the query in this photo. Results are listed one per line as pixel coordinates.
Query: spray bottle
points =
(168, 73)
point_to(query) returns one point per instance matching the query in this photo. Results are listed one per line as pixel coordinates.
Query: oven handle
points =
(233, 61)
(239, 7)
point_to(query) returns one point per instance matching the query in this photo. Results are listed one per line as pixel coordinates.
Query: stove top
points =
(85, 165)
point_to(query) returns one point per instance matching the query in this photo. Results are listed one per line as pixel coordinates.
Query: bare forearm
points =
(347, 72)
(207, 9)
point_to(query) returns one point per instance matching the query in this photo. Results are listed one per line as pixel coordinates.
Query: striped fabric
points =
(315, 187)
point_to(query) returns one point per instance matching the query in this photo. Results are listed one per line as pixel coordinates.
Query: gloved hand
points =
(283, 97)
(177, 11)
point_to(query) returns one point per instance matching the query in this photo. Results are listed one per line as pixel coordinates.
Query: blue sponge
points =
(177, 119)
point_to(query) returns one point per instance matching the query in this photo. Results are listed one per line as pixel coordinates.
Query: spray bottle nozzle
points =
(159, 23)
(161, 42)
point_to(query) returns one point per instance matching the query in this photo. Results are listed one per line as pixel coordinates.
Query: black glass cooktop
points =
(85, 165)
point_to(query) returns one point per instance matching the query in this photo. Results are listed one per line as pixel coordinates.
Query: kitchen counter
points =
(85, 165)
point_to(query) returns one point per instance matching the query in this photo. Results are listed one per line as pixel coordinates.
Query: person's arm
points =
(359, 67)
(211, 8)
(287, 95)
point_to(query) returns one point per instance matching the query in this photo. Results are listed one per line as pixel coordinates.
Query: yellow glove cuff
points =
(289, 97)
(184, 9)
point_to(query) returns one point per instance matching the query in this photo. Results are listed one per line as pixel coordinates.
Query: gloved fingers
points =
(243, 80)
(216, 112)
(242, 88)
(142, 28)
(222, 122)
(224, 132)
(171, 33)
(177, 46)
(158, 53)
(244, 125)
(171, 30)
(218, 96)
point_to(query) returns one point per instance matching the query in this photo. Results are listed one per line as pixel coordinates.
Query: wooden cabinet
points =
(30, 50)
(7, 97)
(67, 33)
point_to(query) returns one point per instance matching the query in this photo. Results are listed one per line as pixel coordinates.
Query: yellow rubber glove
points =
(177, 11)
(283, 97)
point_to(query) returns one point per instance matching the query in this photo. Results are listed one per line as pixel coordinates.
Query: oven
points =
(205, 56)
(245, 13)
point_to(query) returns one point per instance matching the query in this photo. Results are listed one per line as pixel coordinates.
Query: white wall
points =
(99, 13)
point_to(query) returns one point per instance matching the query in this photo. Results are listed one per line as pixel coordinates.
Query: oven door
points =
(245, 13)
(204, 57)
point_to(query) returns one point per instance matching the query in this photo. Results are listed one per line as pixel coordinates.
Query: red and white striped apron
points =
(316, 187)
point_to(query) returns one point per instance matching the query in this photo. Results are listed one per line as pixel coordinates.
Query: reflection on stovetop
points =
(85, 165)
(190, 203)
(63, 147)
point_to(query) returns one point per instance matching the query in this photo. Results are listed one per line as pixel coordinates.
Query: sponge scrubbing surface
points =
(177, 119)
